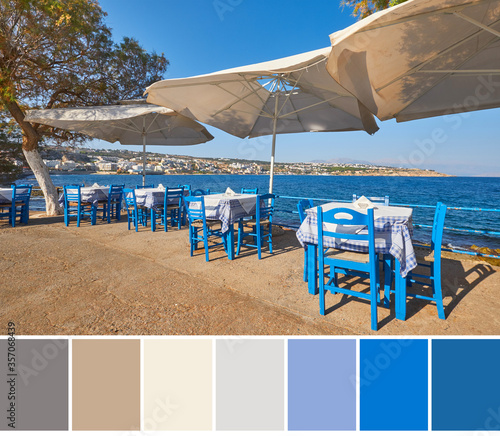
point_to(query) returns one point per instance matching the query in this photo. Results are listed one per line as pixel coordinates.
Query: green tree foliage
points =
(60, 53)
(363, 8)
(10, 151)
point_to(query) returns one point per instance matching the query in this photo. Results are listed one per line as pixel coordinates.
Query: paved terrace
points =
(106, 280)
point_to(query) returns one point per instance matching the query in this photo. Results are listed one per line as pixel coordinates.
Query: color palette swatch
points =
(393, 380)
(466, 385)
(259, 384)
(106, 384)
(321, 384)
(177, 384)
(34, 395)
(250, 384)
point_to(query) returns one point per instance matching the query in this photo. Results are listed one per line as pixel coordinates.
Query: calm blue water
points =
(453, 191)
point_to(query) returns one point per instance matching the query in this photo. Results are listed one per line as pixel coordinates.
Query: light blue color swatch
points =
(321, 384)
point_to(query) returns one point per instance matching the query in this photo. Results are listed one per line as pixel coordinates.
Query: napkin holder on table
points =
(229, 192)
(363, 203)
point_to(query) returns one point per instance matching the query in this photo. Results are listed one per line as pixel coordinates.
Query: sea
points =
(471, 192)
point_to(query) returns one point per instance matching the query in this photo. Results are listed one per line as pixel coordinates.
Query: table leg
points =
(230, 242)
(400, 286)
(312, 260)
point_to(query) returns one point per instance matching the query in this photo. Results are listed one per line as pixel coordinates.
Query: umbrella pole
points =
(144, 152)
(273, 149)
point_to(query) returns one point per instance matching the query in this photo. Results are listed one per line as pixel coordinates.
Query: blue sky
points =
(203, 36)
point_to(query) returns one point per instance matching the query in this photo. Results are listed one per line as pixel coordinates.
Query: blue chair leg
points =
(270, 238)
(93, 210)
(321, 293)
(205, 243)
(13, 216)
(305, 264)
(437, 289)
(153, 220)
(373, 305)
(387, 279)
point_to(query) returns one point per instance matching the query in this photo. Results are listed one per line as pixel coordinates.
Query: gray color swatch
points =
(250, 384)
(41, 385)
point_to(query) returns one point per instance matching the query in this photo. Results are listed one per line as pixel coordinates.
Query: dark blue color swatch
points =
(393, 384)
(321, 384)
(466, 384)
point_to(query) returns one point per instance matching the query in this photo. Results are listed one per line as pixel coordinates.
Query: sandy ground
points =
(106, 280)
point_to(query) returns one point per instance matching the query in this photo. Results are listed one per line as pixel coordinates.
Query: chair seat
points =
(252, 222)
(210, 223)
(83, 203)
(173, 206)
(347, 255)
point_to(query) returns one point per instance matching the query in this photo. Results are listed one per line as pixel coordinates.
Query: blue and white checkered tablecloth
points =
(393, 233)
(153, 197)
(6, 196)
(229, 209)
(90, 194)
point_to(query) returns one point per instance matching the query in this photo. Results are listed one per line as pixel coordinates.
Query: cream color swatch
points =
(177, 384)
(106, 384)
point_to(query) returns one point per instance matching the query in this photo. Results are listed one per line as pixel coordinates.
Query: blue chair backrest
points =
(185, 187)
(198, 192)
(195, 212)
(171, 194)
(115, 192)
(437, 229)
(265, 206)
(347, 217)
(376, 200)
(72, 193)
(249, 191)
(144, 186)
(129, 195)
(21, 193)
(302, 205)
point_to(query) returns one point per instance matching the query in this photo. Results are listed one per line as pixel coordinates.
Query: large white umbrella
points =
(422, 58)
(129, 124)
(289, 95)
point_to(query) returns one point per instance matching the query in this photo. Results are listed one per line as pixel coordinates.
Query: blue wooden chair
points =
(174, 207)
(199, 223)
(249, 190)
(198, 192)
(345, 262)
(75, 207)
(375, 200)
(115, 199)
(20, 204)
(302, 205)
(263, 218)
(185, 187)
(432, 262)
(111, 208)
(132, 209)
(144, 186)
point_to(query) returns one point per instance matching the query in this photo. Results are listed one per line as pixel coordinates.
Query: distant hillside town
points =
(76, 159)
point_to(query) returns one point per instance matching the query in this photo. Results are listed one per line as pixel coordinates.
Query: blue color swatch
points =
(466, 384)
(393, 384)
(321, 384)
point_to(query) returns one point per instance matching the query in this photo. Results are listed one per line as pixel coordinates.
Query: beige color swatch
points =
(106, 384)
(177, 384)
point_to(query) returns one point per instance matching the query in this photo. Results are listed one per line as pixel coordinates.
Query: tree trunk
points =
(43, 178)
(30, 150)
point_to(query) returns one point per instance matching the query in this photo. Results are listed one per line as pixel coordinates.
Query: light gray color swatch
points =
(250, 384)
